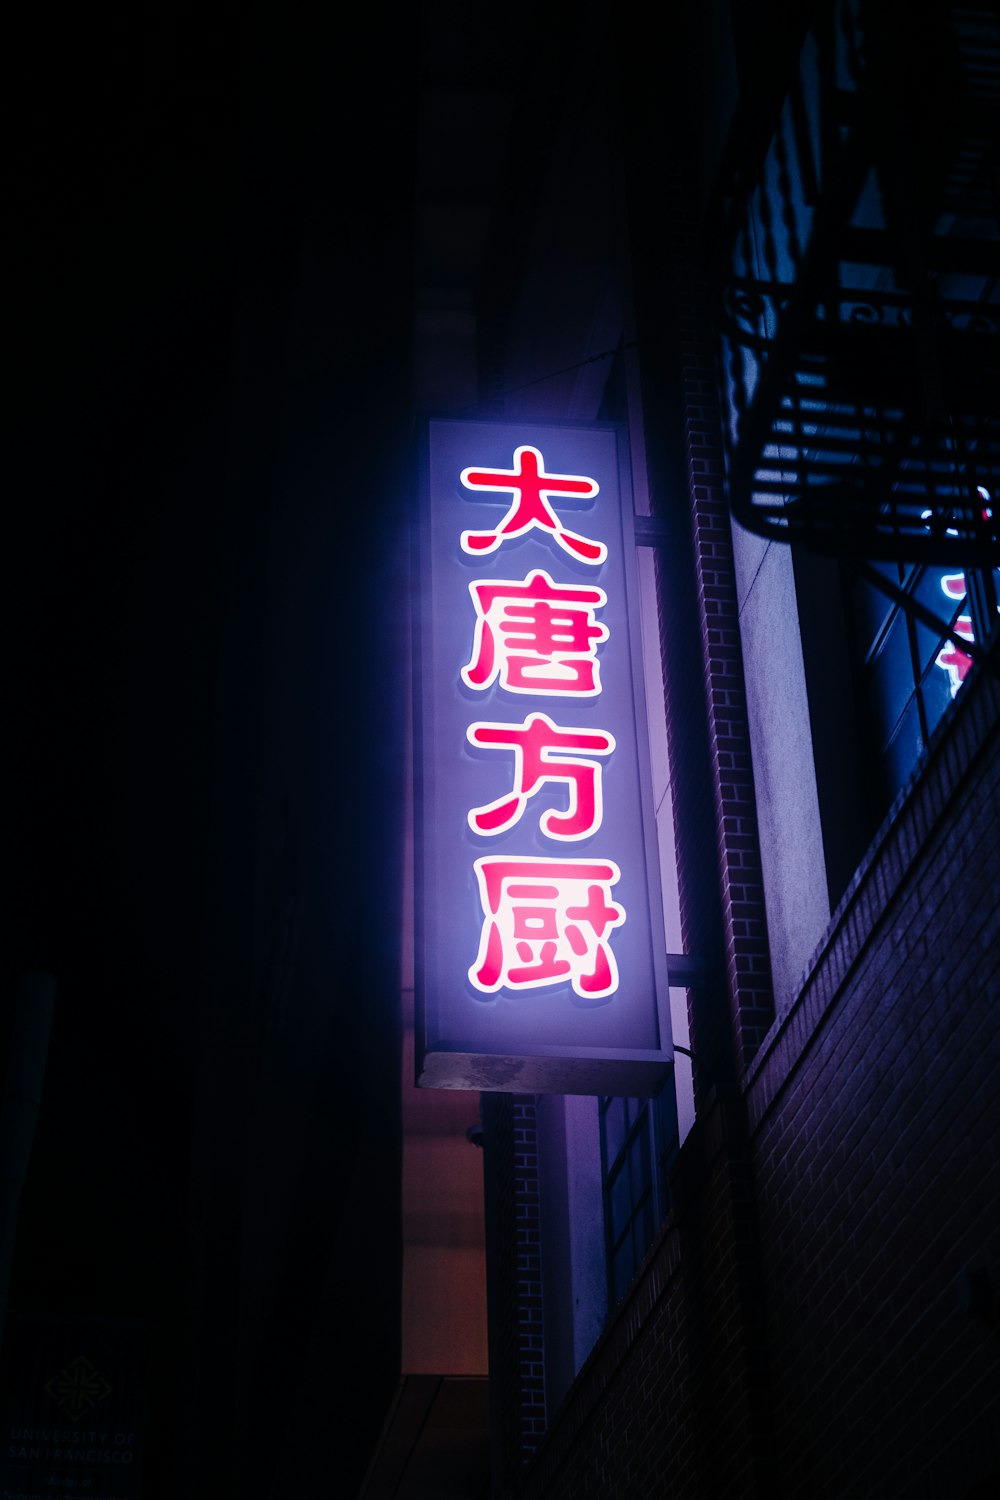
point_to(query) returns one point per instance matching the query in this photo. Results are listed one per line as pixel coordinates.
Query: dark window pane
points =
(891, 680)
(640, 1162)
(644, 1228)
(937, 692)
(873, 607)
(940, 591)
(620, 1201)
(905, 746)
(614, 1130)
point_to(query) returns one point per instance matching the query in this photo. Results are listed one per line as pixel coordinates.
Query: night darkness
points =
(208, 398)
(247, 246)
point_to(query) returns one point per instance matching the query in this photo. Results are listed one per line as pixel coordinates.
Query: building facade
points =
(765, 245)
(760, 242)
(210, 353)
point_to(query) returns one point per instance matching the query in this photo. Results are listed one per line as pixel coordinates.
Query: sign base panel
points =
(634, 1075)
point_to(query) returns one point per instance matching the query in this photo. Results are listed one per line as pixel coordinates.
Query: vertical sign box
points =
(540, 960)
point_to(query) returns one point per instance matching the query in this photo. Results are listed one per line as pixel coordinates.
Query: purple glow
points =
(524, 953)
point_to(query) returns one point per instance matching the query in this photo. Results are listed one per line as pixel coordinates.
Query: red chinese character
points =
(952, 659)
(546, 922)
(538, 636)
(532, 488)
(539, 747)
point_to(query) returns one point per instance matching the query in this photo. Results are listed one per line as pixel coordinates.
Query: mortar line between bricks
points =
(588, 1389)
(766, 1073)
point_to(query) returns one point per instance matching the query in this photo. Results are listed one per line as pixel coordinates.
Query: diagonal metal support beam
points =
(974, 649)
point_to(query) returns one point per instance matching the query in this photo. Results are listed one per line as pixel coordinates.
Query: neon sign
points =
(537, 882)
(951, 658)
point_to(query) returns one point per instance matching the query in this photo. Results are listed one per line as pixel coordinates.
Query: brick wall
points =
(721, 882)
(875, 1120)
(530, 1345)
(859, 1171)
(514, 1288)
(748, 972)
(667, 1402)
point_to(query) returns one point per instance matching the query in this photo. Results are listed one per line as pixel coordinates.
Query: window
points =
(910, 671)
(639, 1141)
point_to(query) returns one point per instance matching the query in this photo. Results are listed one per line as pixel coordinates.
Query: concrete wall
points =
(788, 814)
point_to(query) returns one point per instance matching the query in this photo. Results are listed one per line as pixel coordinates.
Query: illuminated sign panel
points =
(540, 964)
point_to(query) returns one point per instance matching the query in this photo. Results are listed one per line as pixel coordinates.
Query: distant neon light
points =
(984, 495)
(546, 921)
(951, 658)
(532, 489)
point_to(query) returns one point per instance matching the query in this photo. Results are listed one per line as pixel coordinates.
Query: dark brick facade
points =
(721, 890)
(797, 1328)
(816, 1319)
(517, 1356)
(748, 974)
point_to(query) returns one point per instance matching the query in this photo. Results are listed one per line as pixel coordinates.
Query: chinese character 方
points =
(540, 755)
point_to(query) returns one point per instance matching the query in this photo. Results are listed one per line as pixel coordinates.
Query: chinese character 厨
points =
(547, 922)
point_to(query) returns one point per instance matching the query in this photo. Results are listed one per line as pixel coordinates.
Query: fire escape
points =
(860, 304)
